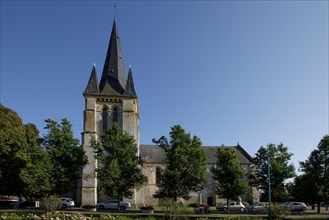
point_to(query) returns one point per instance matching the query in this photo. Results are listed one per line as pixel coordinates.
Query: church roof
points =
(155, 154)
(113, 79)
(92, 86)
(130, 88)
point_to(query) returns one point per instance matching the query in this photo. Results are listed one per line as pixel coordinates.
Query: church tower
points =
(112, 100)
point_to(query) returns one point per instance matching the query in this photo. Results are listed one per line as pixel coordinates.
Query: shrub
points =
(279, 211)
(50, 203)
(109, 217)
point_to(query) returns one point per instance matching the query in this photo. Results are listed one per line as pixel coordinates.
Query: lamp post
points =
(326, 158)
(269, 184)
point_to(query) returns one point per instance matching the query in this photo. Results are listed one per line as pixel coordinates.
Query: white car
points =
(233, 206)
(259, 207)
(113, 204)
(67, 203)
(294, 206)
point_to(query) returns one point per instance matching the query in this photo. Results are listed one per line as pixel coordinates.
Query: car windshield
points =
(286, 203)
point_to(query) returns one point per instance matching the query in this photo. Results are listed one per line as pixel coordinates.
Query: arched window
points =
(104, 118)
(158, 173)
(115, 115)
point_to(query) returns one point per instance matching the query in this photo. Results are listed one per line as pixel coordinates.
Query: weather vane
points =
(115, 8)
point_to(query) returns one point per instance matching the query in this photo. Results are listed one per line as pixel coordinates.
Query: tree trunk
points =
(319, 205)
(227, 206)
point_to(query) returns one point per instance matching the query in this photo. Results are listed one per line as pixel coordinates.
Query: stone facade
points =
(154, 158)
(114, 99)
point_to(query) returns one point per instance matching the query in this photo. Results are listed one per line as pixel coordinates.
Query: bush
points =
(50, 203)
(278, 211)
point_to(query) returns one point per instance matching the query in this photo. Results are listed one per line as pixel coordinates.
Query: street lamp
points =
(269, 183)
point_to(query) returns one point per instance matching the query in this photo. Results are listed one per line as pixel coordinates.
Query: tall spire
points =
(92, 86)
(113, 79)
(130, 88)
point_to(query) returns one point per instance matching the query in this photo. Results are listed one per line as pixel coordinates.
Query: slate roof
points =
(130, 88)
(113, 80)
(92, 86)
(155, 154)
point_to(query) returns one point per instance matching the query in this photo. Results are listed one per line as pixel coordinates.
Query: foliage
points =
(314, 182)
(24, 165)
(119, 171)
(37, 172)
(63, 216)
(175, 210)
(50, 203)
(280, 169)
(65, 153)
(13, 152)
(278, 211)
(185, 165)
(227, 174)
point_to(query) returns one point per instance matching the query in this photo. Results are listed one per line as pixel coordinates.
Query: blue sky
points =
(253, 72)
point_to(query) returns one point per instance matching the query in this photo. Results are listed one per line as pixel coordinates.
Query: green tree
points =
(280, 169)
(65, 153)
(36, 174)
(120, 168)
(24, 165)
(13, 152)
(316, 173)
(185, 165)
(303, 189)
(227, 174)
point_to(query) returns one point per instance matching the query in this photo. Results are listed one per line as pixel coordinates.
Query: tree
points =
(280, 169)
(228, 174)
(120, 168)
(13, 152)
(65, 153)
(185, 165)
(37, 172)
(24, 166)
(303, 189)
(316, 173)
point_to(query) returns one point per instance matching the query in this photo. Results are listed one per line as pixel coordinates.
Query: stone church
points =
(114, 99)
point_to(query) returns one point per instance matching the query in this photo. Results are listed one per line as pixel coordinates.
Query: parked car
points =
(18, 204)
(233, 206)
(259, 207)
(294, 206)
(67, 203)
(113, 204)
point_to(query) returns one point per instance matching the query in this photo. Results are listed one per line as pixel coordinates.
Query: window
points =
(104, 118)
(115, 115)
(157, 175)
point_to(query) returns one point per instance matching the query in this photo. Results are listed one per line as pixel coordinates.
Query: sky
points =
(247, 72)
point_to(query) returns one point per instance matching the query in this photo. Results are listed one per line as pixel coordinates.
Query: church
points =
(114, 99)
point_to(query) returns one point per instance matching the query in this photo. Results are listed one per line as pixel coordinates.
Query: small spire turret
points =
(92, 86)
(130, 88)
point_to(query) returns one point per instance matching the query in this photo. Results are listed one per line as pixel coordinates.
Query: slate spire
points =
(113, 79)
(92, 86)
(130, 88)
